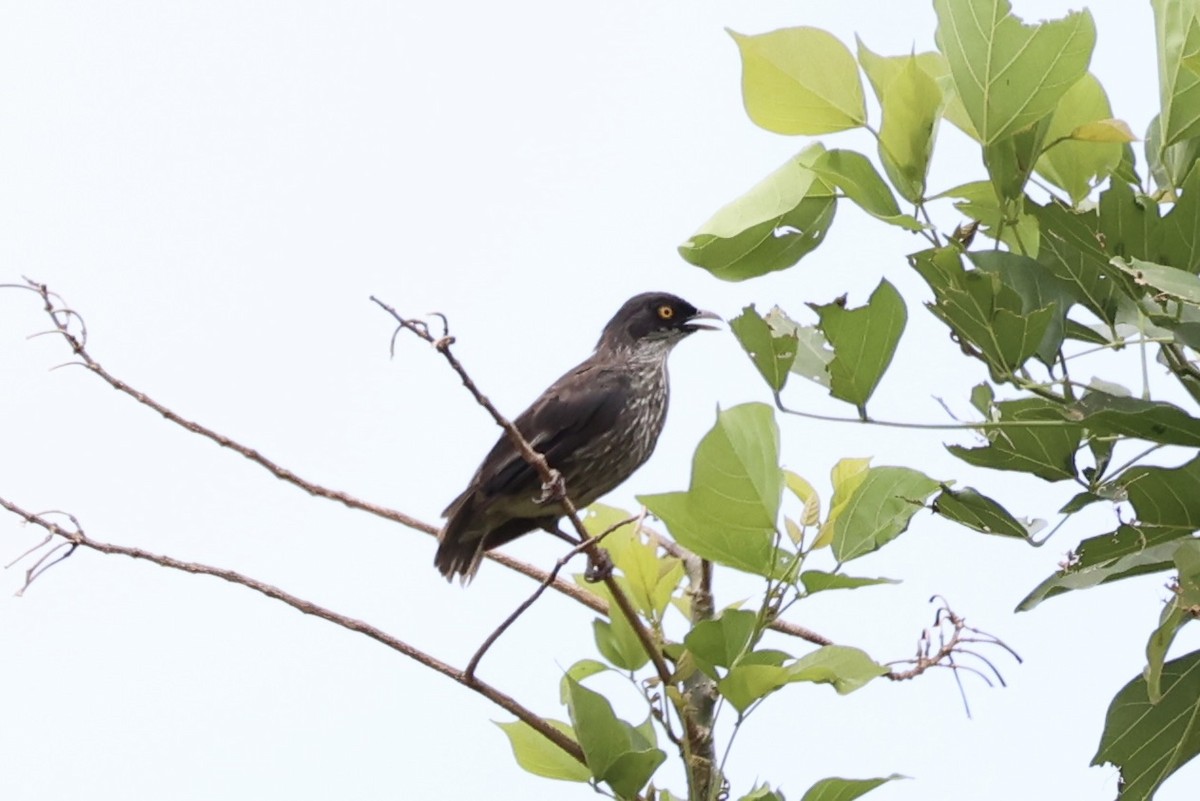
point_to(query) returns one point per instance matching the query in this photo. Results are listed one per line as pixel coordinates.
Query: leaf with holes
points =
(772, 353)
(1129, 551)
(777, 222)
(1148, 742)
(979, 512)
(864, 341)
(1009, 74)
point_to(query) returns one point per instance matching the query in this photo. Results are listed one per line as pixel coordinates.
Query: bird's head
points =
(653, 320)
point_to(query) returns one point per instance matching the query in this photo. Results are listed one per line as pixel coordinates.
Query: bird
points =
(595, 425)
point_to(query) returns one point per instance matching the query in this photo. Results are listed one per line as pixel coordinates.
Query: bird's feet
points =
(553, 490)
(599, 566)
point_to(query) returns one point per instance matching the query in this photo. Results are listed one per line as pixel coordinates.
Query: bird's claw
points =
(553, 490)
(599, 566)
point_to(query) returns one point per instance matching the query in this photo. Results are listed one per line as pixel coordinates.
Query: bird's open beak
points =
(693, 325)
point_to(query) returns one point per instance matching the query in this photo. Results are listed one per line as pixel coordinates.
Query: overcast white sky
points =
(218, 186)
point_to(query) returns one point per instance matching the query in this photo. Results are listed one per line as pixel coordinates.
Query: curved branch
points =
(78, 539)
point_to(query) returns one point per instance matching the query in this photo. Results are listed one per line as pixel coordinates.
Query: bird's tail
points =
(460, 549)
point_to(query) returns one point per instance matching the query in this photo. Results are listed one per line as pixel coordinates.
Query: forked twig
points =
(552, 481)
(469, 671)
(951, 633)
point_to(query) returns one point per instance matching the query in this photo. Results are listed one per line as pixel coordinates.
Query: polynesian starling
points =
(595, 426)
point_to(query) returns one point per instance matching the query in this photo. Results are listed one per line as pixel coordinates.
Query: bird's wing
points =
(582, 404)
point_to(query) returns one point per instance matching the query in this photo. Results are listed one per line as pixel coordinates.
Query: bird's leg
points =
(553, 490)
(599, 566)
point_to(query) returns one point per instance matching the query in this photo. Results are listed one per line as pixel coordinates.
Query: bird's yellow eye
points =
(666, 312)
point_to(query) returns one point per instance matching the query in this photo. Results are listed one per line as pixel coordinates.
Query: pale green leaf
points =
(836, 789)
(911, 102)
(729, 512)
(800, 81)
(846, 668)
(772, 226)
(539, 756)
(1084, 143)
(855, 176)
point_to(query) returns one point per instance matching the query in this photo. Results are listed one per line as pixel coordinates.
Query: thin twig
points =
(78, 344)
(78, 538)
(552, 483)
(469, 671)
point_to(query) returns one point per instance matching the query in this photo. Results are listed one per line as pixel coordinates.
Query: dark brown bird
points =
(595, 425)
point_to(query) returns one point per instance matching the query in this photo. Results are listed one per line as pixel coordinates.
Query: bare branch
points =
(77, 538)
(78, 345)
(952, 634)
(528, 602)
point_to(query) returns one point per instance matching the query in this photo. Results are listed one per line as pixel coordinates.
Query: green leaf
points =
(1183, 608)
(1178, 237)
(1148, 742)
(979, 512)
(844, 789)
(578, 672)
(1177, 36)
(763, 793)
(637, 560)
(1072, 251)
(1084, 141)
(721, 641)
(1169, 166)
(911, 102)
(630, 772)
(873, 508)
(1128, 222)
(800, 81)
(854, 174)
(745, 684)
(1011, 160)
(813, 352)
(1008, 74)
(772, 353)
(1037, 289)
(1163, 496)
(777, 222)
(1129, 551)
(1047, 451)
(846, 668)
(864, 341)
(982, 398)
(617, 642)
(610, 744)
(818, 580)
(537, 755)
(729, 512)
(1153, 421)
(981, 309)
(1009, 224)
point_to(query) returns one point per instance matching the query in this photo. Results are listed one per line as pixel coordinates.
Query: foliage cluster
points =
(1082, 255)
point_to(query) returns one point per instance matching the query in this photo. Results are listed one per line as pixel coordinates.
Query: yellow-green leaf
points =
(1083, 141)
(800, 81)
